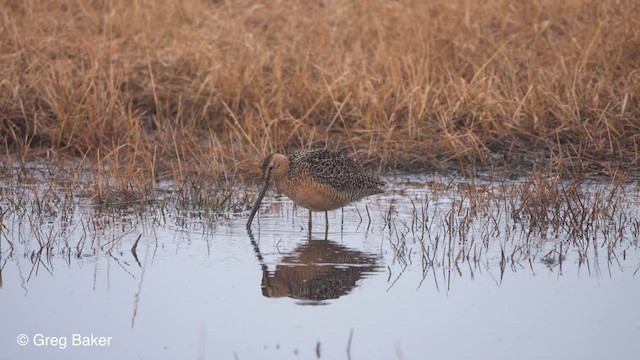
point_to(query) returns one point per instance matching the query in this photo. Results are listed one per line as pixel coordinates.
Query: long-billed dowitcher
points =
(319, 180)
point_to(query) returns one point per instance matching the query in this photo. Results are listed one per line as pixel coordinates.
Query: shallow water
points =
(434, 268)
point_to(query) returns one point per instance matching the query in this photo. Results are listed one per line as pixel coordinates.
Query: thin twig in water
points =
(349, 344)
(133, 250)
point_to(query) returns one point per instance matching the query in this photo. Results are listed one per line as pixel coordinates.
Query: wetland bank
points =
(507, 133)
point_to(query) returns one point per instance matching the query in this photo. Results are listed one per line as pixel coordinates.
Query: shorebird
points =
(318, 180)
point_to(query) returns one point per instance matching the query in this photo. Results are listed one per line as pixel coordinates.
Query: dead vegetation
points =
(152, 90)
(112, 100)
(464, 227)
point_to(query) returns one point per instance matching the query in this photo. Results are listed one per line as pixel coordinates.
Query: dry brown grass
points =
(148, 89)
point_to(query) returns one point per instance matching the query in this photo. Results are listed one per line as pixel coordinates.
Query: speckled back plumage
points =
(334, 169)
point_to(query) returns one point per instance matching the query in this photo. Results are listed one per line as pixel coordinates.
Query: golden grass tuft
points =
(153, 89)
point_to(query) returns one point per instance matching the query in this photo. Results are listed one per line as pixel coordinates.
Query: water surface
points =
(434, 268)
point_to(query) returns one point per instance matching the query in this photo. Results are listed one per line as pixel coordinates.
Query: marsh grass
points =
(475, 227)
(165, 108)
(446, 227)
(152, 90)
(65, 210)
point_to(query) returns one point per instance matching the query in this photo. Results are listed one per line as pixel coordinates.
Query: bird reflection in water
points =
(315, 271)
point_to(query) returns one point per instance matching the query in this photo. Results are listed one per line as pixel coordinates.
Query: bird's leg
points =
(326, 220)
(309, 222)
(326, 225)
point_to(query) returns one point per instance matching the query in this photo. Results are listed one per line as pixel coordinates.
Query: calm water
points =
(435, 268)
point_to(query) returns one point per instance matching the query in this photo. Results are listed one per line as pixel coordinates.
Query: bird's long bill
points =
(256, 206)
